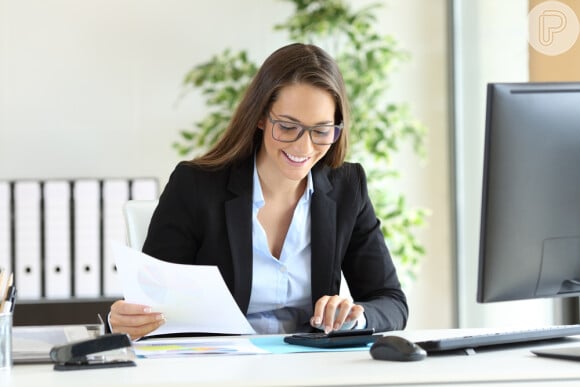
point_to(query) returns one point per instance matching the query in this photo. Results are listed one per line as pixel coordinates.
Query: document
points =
(263, 344)
(192, 298)
(175, 347)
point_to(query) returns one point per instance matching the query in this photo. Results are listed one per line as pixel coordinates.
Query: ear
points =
(261, 124)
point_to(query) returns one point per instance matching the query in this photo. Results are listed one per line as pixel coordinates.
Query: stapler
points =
(111, 350)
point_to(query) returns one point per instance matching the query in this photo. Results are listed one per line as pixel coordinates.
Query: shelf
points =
(63, 311)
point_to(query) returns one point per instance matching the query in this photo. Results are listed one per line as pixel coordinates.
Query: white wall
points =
(92, 88)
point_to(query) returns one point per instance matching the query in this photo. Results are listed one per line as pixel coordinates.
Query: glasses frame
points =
(304, 128)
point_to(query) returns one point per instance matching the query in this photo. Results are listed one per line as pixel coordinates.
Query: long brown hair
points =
(292, 64)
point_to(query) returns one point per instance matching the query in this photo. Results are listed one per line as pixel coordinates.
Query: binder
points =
(115, 194)
(57, 239)
(27, 273)
(87, 242)
(5, 232)
(144, 189)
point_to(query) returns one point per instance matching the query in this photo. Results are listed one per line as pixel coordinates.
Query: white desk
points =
(495, 367)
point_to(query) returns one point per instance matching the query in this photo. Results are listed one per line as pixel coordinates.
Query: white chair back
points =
(137, 215)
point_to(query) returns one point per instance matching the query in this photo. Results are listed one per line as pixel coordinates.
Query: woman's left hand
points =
(331, 312)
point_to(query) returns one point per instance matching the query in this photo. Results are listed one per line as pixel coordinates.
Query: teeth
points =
(296, 158)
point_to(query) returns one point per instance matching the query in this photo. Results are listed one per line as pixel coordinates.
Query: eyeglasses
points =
(286, 131)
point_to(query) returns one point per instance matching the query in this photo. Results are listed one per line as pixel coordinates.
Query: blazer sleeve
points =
(369, 269)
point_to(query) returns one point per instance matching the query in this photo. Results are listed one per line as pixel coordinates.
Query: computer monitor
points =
(530, 218)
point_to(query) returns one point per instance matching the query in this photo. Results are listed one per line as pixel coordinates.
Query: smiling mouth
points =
(295, 159)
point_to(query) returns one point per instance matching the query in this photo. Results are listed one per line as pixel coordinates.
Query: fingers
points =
(134, 319)
(331, 312)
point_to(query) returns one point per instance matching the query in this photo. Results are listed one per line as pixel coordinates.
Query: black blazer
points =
(205, 217)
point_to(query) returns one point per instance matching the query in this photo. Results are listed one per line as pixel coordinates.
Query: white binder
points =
(57, 239)
(115, 194)
(87, 234)
(5, 242)
(144, 189)
(27, 240)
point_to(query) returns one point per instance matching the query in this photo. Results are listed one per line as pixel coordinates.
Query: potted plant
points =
(378, 127)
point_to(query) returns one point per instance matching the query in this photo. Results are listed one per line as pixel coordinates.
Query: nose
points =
(304, 144)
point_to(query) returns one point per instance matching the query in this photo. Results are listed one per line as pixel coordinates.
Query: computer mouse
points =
(396, 348)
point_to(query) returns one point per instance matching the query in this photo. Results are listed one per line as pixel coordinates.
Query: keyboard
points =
(499, 338)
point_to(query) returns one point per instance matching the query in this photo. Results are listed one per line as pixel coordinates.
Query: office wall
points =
(92, 88)
(421, 28)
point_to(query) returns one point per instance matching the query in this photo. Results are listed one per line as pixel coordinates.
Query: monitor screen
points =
(530, 219)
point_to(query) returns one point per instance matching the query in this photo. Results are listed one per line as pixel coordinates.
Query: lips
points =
(295, 159)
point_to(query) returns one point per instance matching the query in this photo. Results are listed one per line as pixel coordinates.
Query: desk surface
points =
(497, 366)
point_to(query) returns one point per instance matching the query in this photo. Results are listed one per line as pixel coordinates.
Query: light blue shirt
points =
(281, 298)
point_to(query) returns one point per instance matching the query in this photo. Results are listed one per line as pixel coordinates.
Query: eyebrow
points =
(300, 122)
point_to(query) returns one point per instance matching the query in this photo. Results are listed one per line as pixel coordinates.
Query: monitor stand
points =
(567, 310)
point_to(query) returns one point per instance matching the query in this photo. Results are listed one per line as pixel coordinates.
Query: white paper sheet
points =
(193, 298)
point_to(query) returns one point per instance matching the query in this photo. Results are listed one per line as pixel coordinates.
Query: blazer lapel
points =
(323, 237)
(238, 212)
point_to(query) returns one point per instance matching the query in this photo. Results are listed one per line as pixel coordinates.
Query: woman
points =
(274, 206)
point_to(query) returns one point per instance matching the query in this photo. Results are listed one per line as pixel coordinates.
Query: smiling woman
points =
(281, 216)
(287, 155)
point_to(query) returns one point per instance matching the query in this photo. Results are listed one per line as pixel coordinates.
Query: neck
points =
(276, 186)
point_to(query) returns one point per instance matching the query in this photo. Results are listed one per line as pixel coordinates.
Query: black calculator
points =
(334, 339)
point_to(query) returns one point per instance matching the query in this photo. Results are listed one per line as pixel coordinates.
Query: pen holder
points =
(5, 341)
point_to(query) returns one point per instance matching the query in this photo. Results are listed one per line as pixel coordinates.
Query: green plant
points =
(378, 127)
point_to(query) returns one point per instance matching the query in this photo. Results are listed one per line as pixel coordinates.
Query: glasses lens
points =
(286, 131)
(321, 135)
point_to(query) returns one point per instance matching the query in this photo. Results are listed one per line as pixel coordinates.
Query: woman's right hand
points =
(134, 319)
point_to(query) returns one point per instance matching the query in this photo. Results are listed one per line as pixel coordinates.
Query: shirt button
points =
(283, 269)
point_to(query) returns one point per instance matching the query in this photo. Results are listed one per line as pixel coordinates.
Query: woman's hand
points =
(134, 319)
(331, 312)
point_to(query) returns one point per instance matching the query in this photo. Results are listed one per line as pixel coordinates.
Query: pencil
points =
(10, 297)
